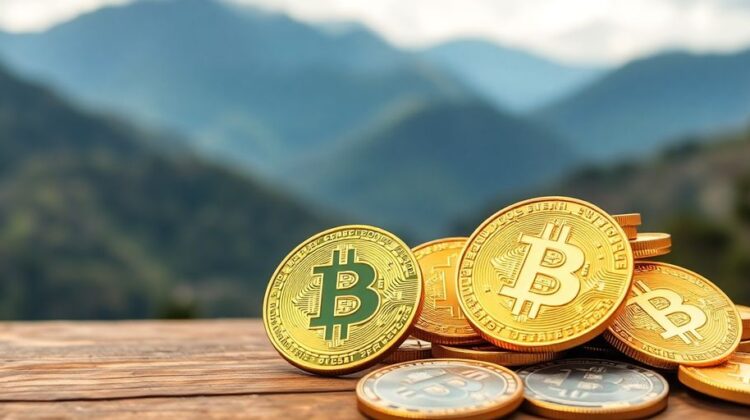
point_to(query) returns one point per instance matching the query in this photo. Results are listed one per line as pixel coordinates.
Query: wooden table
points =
(189, 369)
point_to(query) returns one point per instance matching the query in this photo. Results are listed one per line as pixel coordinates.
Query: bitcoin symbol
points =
(439, 383)
(645, 297)
(547, 274)
(361, 277)
(449, 301)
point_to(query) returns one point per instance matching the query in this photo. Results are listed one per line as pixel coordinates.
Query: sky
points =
(575, 31)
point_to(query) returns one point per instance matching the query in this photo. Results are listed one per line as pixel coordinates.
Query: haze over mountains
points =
(433, 164)
(263, 91)
(253, 87)
(640, 107)
(510, 78)
(94, 223)
(324, 125)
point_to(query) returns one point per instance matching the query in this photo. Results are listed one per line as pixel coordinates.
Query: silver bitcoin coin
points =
(587, 387)
(440, 388)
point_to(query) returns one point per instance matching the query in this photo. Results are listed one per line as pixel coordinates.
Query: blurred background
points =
(158, 158)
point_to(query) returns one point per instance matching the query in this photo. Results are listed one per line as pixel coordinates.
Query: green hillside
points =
(647, 103)
(424, 167)
(698, 191)
(250, 86)
(95, 224)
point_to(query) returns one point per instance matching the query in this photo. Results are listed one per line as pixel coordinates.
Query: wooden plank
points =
(52, 361)
(189, 369)
(324, 406)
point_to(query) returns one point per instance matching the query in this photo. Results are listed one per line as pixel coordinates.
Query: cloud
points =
(609, 31)
(601, 31)
(34, 15)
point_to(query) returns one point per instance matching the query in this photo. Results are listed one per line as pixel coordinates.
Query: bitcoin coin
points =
(729, 381)
(439, 389)
(630, 231)
(544, 274)
(628, 219)
(675, 316)
(442, 320)
(593, 389)
(492, 354)
(745, 316)
(650, 241)
(342, 299)
(629, 223)
(643, 254)
(411, 349)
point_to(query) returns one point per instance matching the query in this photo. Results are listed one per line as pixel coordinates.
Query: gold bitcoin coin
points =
(545, 274)
(649, 241)
(442, 320)
(411, 349)
(745, 316)
(492, 354)
(729, 381)
(439, 389)
(643, 254)
(342, 299)
(628, 219)
(630, 231)
(674, 316)
(593, 389)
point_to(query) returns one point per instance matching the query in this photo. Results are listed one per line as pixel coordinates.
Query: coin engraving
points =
(590, 386)
(442, 320)
(696, 318)
(544, 274)
(343, 299)
(549, 262)
(346, 294)
(675, 316)
(439, 388)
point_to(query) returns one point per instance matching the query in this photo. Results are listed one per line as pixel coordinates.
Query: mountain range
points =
(96, 223)
(644, 105)
(510, 78)
(301, 105)
(249, 86)
(431, 164)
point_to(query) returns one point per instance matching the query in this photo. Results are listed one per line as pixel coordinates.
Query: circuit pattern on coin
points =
(674, 316)
(442, 320)
(342, 299)
(544, 274)
(440, 388)
(593, 386)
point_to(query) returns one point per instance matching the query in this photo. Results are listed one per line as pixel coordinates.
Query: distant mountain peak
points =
(644, 104)
(509, 77)
(418, 171)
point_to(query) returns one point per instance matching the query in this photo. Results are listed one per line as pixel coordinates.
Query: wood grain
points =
(189, 369)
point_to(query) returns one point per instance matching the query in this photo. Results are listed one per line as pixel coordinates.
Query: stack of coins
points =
(629, 223)
(553, 286)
